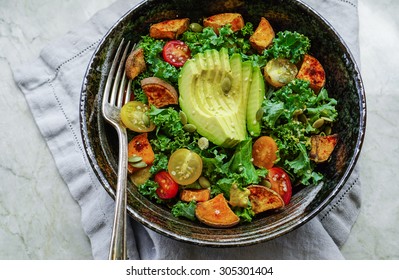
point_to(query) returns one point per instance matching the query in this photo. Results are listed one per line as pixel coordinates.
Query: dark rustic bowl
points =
(343, 83)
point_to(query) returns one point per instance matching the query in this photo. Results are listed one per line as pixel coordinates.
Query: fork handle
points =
(118, 238)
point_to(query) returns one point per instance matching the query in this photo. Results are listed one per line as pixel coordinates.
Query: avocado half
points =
(214, 91)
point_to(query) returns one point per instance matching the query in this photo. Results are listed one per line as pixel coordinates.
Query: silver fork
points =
(116, 86)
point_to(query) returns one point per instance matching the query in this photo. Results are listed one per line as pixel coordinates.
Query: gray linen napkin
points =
(52, 84)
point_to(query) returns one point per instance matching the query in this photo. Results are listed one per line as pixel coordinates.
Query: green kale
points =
(225, 169)
(235, 42)
(273, 111)
(215, 169)
(170, 134)
(245, 214)
(214, 165)
(137, 90)
(288, 117)
(167, 121)
(289, 45)
(323, 107)
(241, 163)
(182, 209)
(160, 163)
(303, 167)
(156, 66)
(148, 189)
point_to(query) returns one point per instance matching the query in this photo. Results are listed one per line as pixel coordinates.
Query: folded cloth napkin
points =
(52, 84)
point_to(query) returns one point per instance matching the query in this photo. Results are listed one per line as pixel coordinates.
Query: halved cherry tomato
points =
(167, 187)
(185, 166)
(133, 116)
(176, 53)
(280, 183)
(264, 152)
(279, 72)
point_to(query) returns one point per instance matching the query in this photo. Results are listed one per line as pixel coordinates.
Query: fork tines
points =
(116, 98)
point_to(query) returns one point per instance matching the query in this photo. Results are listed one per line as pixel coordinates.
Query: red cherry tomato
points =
(280, 183)
(176, 53)
(167, 187)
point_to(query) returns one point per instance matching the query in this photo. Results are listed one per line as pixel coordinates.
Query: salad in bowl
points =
(227, 117)
(246, 118)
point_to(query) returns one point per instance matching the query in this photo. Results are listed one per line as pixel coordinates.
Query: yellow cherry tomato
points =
(185, 166)
(134, 117)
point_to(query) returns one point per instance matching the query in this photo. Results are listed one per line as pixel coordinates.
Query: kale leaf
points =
(169, 136)
(235, 42)
(156, 65)
(182, 209)
(288, 117)
(226, 168)
(245, 214)
(289, 45)
(148, 189)
(241, 163)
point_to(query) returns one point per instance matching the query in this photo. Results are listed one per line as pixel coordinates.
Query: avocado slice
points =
(255, 99)
(214, 92)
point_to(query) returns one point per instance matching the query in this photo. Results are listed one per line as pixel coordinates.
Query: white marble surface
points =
(40, 220)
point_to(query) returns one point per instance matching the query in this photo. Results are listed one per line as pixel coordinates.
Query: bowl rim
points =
(243, 241)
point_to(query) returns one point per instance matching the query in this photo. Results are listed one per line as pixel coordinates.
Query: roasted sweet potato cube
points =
(322, 147)
(135, 63)
(159, 92)
(169, 29)
(263, 35)
(140, 147)
(217, 21)
(216, 213)
(201, 195)
(311, 70)
(263, 199)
